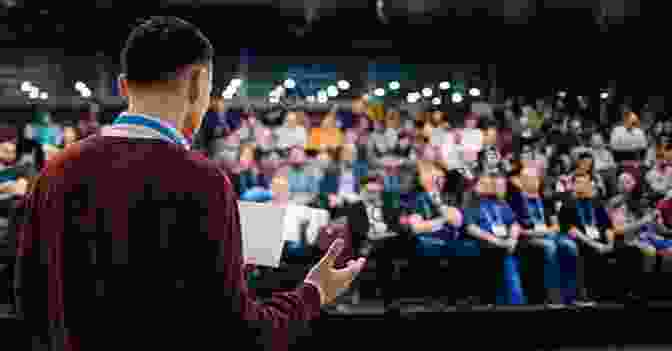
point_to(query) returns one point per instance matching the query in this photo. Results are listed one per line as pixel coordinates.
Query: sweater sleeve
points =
(222, 224)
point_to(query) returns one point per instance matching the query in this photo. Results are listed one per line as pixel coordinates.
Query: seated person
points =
(584, 219)
(291, 133)
(254, 132)
(327, 137)
(433, 219)
(583, 164)
(246, 175)
(382, 233)
(342, 173)
(392, 128)
(494, 225)
(659, 178)
(303, 179)
(635, 242)
(14, 176)
(586, 164)
(661, 240)
(14, 185)
(436, 225)
(378, 146)
(540, 230)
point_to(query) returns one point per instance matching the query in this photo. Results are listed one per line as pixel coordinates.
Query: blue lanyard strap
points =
(497, 220)
(167, 132)
(586, 209)
(537, 207)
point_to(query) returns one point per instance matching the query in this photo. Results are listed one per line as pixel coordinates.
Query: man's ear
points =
(194, 85)
(122, 84)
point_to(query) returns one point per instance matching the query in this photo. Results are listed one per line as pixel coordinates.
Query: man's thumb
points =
(334, 251)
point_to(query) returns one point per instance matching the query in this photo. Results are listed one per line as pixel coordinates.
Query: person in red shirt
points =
(131, 241)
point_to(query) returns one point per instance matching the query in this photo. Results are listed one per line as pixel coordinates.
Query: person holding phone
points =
(141, 235)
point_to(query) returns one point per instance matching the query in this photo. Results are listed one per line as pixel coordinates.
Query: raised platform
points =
(607, 327)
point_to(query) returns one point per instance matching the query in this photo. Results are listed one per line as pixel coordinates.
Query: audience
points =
(515, 186)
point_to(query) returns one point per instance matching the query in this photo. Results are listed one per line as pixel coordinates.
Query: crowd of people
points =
(522, 185)
(531, 202)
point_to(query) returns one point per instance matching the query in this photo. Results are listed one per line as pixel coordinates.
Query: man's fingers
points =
(354, 267)
(334, 251)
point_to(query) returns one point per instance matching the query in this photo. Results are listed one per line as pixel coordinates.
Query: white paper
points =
(262, 226)
(296, 215)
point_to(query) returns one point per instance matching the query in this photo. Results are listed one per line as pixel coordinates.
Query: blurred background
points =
(541, 47)
(63, 57)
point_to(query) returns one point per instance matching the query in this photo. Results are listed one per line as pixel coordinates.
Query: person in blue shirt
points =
(584, 219)
(492, 222)
(436, 226)
(343, 173)
(539, 231)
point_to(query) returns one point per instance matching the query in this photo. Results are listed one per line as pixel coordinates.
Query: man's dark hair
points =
(487, 122)
(584, 156)
(159, 48)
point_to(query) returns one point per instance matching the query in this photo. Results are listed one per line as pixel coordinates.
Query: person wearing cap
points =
(134, 241)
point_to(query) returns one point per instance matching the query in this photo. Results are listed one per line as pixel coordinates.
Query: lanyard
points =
(497, 219)
(537, 205)
(427, 206)
(583, 209)
(166, 132)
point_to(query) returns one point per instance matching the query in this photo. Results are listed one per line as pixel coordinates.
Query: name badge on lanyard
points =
(499, 231)
(592, 232)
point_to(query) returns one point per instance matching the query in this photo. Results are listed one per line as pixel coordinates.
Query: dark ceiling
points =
(475, 26)
(560, 39)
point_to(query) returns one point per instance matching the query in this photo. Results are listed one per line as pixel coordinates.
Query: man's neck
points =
(160, 107)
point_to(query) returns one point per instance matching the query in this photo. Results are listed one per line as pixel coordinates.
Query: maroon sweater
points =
(136, 244)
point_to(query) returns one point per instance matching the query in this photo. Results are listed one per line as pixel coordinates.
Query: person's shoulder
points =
(204, 166)
(619, 128)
